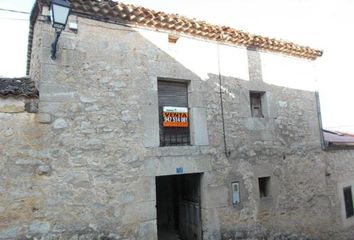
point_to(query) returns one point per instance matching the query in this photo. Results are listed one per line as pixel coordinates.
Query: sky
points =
(322, 24)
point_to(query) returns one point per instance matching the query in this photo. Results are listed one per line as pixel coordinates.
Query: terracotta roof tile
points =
(108, 10)
(18, 87)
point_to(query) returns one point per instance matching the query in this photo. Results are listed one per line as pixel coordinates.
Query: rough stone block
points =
(9, 233)
(31, 107)
(217, 196)
(148, 230)
(151, 126)
(199, 126)
(168, 165)
(86, 99)
(44, 118)
(50, 107)
(197, 99)
(44, 169)
(57, 96)
(255, 65)
(60, 123)
(12, 105)
(138, 212)
(42, 227)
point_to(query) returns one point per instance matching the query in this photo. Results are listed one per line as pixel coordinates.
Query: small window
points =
(256, 104)
(348, 201)
(264, 187)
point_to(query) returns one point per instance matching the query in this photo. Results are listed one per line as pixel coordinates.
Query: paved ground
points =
(168, 235)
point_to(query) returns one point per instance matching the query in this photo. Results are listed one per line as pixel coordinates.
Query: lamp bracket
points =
(54, 44)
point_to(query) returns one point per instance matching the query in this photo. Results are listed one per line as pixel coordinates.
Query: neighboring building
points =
(338, 140)
(340, 179)
(151, 124)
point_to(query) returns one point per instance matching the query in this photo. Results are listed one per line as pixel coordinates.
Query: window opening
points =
(256, 104)
(264, 186)
(348, 201)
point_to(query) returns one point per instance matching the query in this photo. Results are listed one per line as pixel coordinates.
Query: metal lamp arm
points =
(54, 44)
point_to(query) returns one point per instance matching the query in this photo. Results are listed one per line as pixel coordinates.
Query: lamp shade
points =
(60, 13)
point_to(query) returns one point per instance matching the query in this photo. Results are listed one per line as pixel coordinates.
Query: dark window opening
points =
(264, 186)
(173, 94)
(348, 201)
(256, 104)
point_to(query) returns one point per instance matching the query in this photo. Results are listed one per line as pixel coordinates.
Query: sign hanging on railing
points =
(175, 117)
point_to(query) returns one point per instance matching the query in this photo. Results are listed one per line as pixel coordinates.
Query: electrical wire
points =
(13, 11)
(227, 153)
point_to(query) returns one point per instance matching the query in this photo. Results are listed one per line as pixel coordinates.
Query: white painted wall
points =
(206, 57)
(288, 72)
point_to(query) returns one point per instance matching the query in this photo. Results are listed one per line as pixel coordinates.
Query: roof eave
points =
(199, 29)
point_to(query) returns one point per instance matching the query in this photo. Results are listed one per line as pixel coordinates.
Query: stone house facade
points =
(91, 156)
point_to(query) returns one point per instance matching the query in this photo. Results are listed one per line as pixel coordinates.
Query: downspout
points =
(324, 146)
(325, 156)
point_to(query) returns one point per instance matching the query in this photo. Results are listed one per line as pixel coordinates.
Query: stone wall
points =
(84, 166)
(339, 174)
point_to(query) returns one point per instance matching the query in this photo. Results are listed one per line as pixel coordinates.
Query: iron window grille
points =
(173, 136)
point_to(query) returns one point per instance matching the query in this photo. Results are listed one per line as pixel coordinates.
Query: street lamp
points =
(60, 13)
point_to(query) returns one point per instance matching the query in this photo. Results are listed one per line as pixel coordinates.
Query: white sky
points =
(323, 24)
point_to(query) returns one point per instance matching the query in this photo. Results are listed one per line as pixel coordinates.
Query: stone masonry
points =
(84, 165)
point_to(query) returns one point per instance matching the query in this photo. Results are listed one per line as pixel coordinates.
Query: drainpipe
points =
(319, 116)
(324, 145)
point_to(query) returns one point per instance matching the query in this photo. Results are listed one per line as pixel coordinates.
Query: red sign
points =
(175, 117)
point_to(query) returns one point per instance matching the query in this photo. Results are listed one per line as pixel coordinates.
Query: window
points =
(264, 186)
(348, 201)
(173, 113)
(256, 104)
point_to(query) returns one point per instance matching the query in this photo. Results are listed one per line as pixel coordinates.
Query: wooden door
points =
(190, 224)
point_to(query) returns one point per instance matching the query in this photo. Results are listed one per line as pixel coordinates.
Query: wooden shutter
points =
(172, 94)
